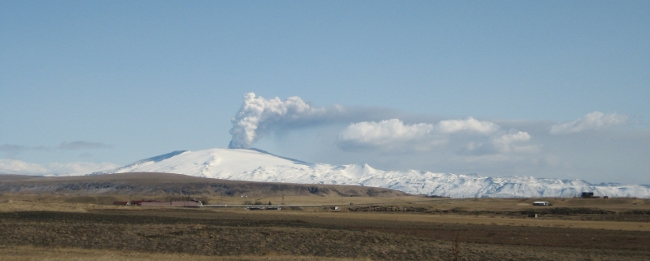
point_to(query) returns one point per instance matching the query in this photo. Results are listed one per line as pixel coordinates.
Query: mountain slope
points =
(165, 184)
(256, 165)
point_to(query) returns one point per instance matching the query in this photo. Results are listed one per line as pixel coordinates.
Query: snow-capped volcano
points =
(257, 165)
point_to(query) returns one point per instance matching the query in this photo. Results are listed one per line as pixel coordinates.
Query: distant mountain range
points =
(258, 165)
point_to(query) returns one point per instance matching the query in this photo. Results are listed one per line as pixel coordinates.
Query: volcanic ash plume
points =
(258, 116)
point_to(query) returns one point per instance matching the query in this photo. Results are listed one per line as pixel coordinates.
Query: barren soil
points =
(73, 218)
(239, 233)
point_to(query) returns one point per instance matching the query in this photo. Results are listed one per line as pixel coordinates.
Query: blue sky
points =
(95, 84)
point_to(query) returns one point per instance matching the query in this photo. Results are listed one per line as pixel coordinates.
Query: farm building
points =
(139, 202)
(541, 203)
(172, 204)
(588, 195)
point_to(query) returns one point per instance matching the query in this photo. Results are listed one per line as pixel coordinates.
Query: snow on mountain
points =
(257, 165)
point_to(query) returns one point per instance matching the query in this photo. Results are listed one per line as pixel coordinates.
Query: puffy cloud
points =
(386, 129)
(469, 125)
(511, 142)
(394, 130)
(388, 134)
(257, 116)
(591, 121)
(10, 166)
(458, 135)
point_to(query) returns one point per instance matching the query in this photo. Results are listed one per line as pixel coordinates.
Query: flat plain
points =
(81, 224)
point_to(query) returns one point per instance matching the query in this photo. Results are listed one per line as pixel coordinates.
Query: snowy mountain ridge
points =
(258, 165)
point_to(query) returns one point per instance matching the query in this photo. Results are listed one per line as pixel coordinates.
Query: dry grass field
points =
(78, 225)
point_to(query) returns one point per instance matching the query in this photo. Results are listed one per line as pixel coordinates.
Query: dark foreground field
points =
(73, 218)
(278, 235)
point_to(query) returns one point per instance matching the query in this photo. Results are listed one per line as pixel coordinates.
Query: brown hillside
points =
(159, 184)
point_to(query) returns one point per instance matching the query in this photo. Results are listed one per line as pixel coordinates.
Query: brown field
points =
(78, 225)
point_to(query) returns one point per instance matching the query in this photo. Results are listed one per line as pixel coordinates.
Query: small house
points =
(588, 195)
(139, 202)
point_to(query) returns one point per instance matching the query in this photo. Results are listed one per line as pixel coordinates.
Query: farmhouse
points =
(156, 203)
(139, 202)
(588, 195)
(172, 204)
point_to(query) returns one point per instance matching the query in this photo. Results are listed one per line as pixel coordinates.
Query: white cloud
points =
(393, 129)
(10, 166)
(469, 125)
(389, 134)
(455, 135)
(592, 121)
(512, 142)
